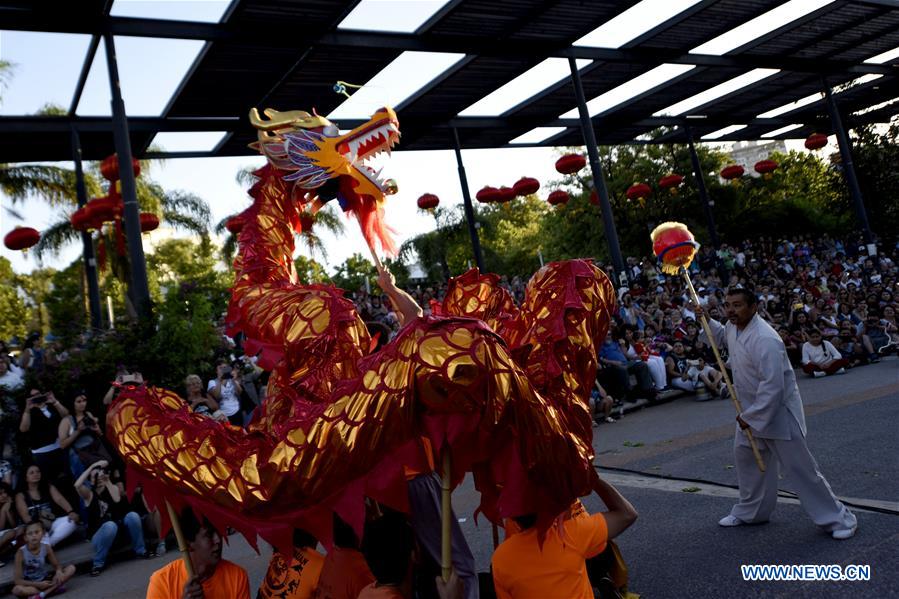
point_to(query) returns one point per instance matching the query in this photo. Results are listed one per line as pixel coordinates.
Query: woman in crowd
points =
(107, 509)
(40, 424)
(198, 400)
(226, 389)
(80, 435)
(32, 356)
(39, 500)
(634, 349)
(9, 522)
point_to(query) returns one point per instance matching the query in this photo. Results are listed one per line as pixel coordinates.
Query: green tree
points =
(876, 153)
(310, 271)
(13, 309)
(352, 274)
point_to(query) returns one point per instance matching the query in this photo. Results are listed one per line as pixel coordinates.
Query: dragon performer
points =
(504, 388)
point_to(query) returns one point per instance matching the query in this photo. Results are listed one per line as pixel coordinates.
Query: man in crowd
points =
(616, 371)
(772, 410)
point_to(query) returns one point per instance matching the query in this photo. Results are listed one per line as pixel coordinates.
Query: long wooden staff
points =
(375, 258)
(446, 545)
(730, 385)
(182, 543)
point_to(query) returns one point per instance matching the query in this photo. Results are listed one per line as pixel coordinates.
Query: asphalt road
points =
(676, 549)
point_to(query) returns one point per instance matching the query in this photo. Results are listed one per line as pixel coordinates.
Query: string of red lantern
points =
(21, 238)
(816, 141)
(570, 163)
(671, 182)
(732, 172)
(558, 197)
(428, 201)
(526, 186)
(765, 167)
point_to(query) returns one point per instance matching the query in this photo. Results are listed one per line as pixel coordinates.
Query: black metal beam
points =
(246, 33)
(139, 289)
(846, 162)
(305, 49)
(85, 70)
(87, 244)
(699, 177)
(599, 182)
(89, 124)
(469, 209)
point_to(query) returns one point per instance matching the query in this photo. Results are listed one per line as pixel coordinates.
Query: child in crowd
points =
(32, 578)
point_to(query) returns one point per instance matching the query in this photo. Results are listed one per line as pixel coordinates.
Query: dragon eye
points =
(331, 130)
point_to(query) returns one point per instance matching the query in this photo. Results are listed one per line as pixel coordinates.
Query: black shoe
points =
(96, 571)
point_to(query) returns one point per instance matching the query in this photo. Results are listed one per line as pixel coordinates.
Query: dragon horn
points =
(277, 120)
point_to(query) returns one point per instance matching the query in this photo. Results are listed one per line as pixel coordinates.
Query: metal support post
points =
(703, 192)
(469, 209)
(140, 291)
(855, 191)
(90, 262)
(608, 220)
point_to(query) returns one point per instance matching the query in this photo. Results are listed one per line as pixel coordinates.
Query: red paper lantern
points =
(81, 219)
(505, 194)
(307, 219)
(109, 168)
(815, 141)
(570, 163)
(732, 172)
(765, 167)
(428, 201)
(558, 197)
(594, 198)
(104, 209)
(488, 195)
(148, 222)
(638, 191)
(526, 186)
(234, 224)
(674, 246)
(21, 238)
(671, 182)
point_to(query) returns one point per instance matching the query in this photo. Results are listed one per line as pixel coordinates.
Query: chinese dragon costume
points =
(504, 388)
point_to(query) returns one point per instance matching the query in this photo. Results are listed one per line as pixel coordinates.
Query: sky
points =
(46, 68)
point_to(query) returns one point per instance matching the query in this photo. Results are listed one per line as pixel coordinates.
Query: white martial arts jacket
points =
(763, 377)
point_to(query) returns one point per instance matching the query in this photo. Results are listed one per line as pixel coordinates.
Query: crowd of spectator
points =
(833, 301)
(60, 478)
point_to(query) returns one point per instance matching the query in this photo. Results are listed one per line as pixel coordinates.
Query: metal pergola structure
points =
(288, 54)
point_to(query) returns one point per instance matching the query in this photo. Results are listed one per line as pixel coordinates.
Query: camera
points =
(226, 372)
(38, 399)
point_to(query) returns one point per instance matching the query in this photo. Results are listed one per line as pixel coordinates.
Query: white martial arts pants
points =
(758, 491)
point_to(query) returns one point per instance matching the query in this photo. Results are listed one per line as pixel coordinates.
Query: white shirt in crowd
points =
(13, 379)
(229, 403)
(822, 355)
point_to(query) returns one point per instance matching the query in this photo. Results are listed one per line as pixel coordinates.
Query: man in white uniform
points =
(772, 409)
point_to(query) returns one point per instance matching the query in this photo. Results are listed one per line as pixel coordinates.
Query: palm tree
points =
(179, 209)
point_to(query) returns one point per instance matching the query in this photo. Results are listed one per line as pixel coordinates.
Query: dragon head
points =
(318, 159)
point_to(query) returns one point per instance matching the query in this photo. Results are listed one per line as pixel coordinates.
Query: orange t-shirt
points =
(521, 570)
(229, 580)
(376, 592)
(343, 576)
(295, 580)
